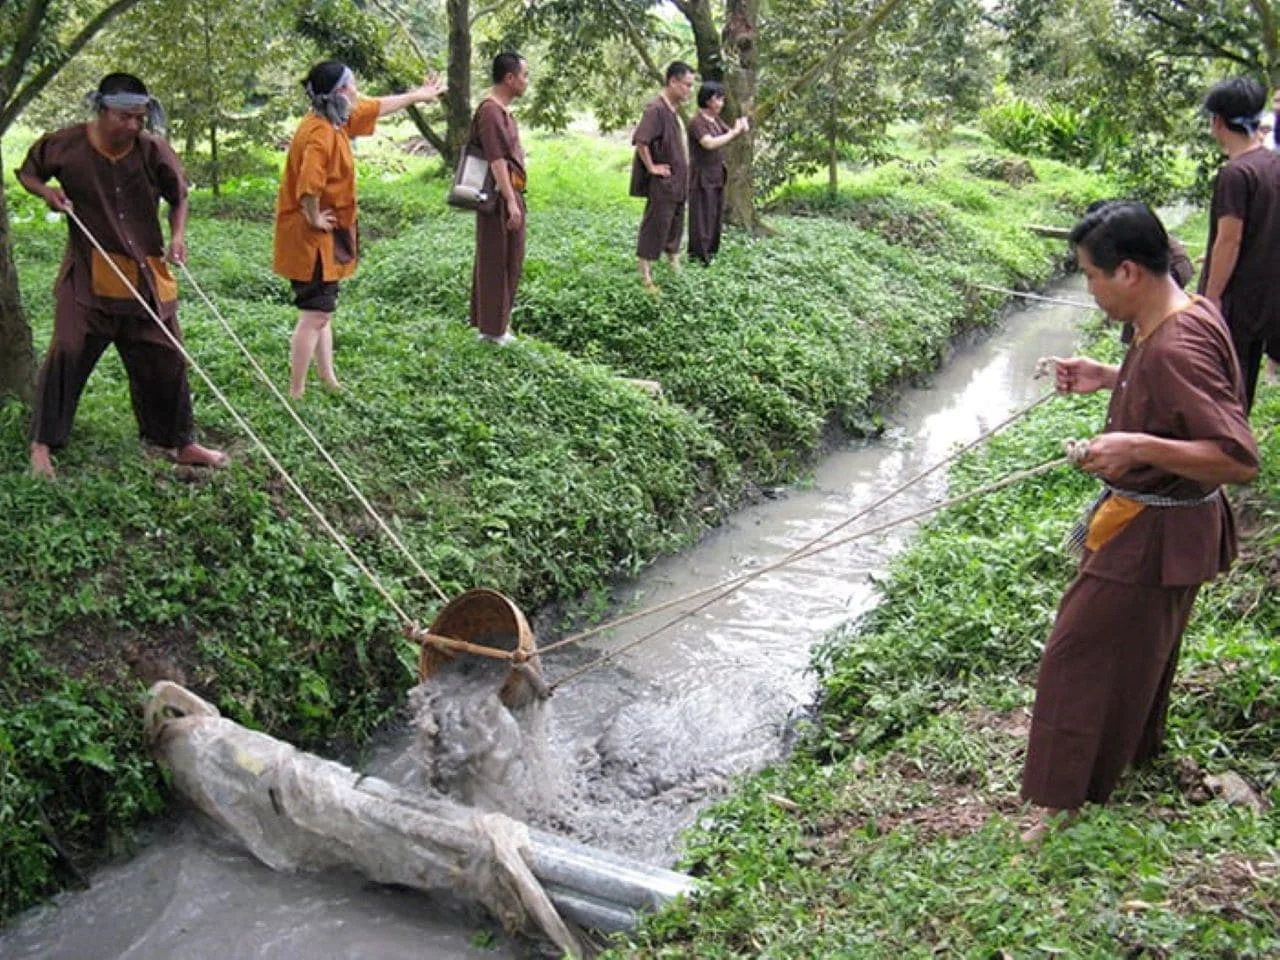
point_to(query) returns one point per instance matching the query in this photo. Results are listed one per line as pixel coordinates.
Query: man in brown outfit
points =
(1242, 262)
(660, 172)
(1175, 431)
(500, 235)
(113, 174)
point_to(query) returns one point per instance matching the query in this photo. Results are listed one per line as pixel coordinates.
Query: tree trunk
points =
(706, 38)
(457, 101)
(833, 119)
(214, 173)
(17, 357)
(741, 52)
(833, 136)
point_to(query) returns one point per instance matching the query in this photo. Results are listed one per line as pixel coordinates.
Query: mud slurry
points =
(626, 777)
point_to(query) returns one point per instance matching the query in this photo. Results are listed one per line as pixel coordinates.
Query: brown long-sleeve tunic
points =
(1183, 383)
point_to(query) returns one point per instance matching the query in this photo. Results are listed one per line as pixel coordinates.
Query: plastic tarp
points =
(295, 811)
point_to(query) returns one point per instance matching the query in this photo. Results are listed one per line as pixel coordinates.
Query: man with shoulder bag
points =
(500, 222)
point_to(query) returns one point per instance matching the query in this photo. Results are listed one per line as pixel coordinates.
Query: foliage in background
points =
(1092, 88)
(1243, 35)
(841, 117)
(945, 67)
(227, 74)
(585, 61)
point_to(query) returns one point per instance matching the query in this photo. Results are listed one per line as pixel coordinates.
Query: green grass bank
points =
(893, 830)
(533, 469)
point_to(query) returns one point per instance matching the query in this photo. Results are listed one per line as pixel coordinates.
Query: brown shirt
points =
(494, 131)
(320, 164)
(119, 202)
(1181, 383)
(706, 168)
(1248, 187)
(662, 131)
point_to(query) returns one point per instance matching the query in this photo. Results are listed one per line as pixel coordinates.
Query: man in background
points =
(500, 235)
(660, 172)
(1242, 260)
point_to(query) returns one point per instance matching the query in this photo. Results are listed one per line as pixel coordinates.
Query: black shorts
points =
(316, 293)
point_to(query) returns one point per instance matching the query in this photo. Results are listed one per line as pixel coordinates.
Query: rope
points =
(1061, 301)
(744, 579)
(244, 425)
(350, 485)
(813, 552)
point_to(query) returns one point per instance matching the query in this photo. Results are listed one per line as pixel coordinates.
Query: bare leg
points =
(302, 347)
(673, 259)
(41, 461)
(195, 455)
(324, 358)
(646, 274)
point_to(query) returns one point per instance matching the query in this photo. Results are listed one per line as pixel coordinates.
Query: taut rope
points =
(350, 485)
(244, 425)
(1038, 297)
(814, 551)
(737, 582)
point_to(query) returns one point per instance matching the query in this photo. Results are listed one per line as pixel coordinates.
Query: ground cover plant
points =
(533, 469)
(894, 829)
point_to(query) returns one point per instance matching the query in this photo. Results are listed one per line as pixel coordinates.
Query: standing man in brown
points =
(1176, 431)
(1243, 260)
(660, 172)
(113, 173)
(500, 235)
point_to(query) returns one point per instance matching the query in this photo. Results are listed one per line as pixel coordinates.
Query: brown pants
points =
(1103, 688)
(660, 229)
(1249, 352)
(706, 216)
(157, 374)
(496, 274)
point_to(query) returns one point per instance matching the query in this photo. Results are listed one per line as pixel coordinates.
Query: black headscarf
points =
(321, 85)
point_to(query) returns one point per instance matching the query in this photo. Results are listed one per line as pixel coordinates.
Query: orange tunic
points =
(319, 163)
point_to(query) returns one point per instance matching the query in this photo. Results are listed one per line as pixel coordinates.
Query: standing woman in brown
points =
(708, 134)
(315, 238)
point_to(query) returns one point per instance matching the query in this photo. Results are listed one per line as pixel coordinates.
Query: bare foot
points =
(296, 394)
(42, 461)
(651, 287)
(674, 263)
(333, 386)
(195, 455)
(1048, 820)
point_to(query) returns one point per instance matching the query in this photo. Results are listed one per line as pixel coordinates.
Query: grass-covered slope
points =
(531, 469)
(894, 830)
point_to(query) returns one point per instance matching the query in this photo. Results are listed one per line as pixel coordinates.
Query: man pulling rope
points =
(115, 174)
(1175, 432)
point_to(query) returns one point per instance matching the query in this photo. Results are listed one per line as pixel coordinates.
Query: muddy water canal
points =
(635, 749)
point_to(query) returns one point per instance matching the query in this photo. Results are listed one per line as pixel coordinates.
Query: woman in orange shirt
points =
(315, 236)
